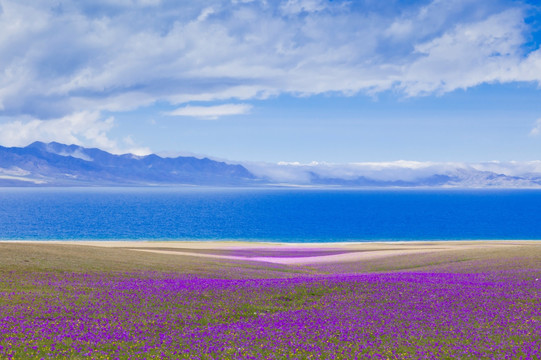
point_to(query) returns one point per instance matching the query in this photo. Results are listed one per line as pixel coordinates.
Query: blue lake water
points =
(268, 214)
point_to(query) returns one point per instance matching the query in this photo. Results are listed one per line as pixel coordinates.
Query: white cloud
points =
(463, 174)
(205, 13)
(468, 55)
(76, 154)
(297, 6)
(536, 130)
(56, 64)
(510, 168)
(211, 112)
(60, 61)
(282, 173)
(83, 128)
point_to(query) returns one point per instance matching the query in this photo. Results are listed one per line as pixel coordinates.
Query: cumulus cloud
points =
(211, 112)
(60, 60)
(107, 59)
(469, 55)
(83, 128)
(536, 130)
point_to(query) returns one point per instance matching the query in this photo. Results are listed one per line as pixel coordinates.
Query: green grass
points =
(53, 258)
(468, 259)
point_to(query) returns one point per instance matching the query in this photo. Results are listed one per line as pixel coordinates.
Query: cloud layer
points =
(59, 59)
(211, 112)
(495, 173)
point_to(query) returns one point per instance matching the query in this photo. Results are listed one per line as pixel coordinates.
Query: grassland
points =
(471, 300)
(189, 257)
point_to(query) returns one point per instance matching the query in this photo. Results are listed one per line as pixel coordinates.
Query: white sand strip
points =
(183, 253)
(336, 258)
(235, 244)
(346, 257)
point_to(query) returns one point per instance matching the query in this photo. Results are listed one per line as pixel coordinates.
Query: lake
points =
(288, 215)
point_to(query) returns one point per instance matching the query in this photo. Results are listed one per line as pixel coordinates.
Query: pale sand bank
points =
(304, 260)
(286, 253)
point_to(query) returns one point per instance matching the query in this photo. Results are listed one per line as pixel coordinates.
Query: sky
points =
(276, 81)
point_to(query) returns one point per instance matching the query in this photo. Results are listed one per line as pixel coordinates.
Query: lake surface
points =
(268, 214)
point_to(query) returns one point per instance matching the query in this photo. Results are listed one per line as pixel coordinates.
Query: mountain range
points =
(55, 164)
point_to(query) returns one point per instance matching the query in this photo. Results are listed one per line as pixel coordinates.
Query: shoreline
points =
(255, 241)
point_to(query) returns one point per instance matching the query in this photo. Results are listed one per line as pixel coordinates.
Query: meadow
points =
(72, 302)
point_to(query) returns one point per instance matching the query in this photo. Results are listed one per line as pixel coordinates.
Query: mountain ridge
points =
(56, 164)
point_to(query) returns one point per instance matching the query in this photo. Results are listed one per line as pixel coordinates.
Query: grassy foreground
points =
(69, 301)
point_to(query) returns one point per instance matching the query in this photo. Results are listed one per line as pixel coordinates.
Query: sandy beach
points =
(295, 253)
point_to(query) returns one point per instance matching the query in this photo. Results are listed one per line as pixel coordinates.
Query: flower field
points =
(145, 315)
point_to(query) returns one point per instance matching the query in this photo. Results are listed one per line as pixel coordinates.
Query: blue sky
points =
(276, 81)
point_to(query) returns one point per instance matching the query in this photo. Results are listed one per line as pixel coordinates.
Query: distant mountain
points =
(55, 164)
(403, 174)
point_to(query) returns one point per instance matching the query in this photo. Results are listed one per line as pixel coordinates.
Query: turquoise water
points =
(268, 214)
